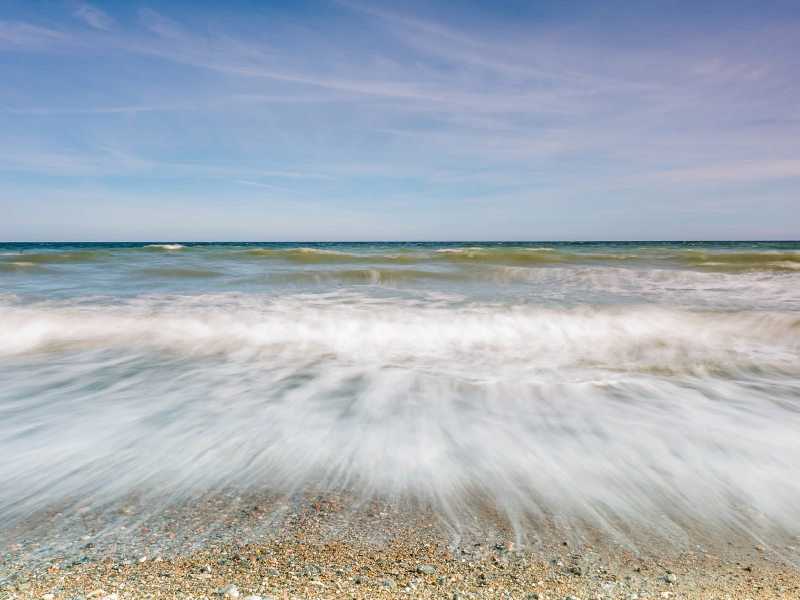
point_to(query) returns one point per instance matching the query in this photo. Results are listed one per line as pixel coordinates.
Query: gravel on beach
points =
(317, 549)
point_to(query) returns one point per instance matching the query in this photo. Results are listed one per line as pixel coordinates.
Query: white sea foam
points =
(360, 326)
(305, 250)
(679, 287)
(591, 383)
(470, 250)
(165, 246)
(592, 412)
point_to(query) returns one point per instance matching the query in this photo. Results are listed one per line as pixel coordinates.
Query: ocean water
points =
(642, 383)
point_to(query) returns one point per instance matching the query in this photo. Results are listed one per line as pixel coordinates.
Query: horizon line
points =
(409, 241)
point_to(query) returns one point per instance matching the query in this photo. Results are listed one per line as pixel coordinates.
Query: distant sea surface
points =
(604, 381)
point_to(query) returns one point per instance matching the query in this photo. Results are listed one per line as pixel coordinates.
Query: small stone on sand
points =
(427, 570)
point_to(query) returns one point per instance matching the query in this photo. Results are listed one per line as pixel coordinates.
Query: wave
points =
(543, 256)
(373, 275)
(358, 326)
(179, 273)
(683, 287)
(20, 266)
(314, 255)
(705, 259)
(588, 413)
(165, 246)
(590, 384)
(305, 250)
(470, 252)
(78, 256)
(560, 284)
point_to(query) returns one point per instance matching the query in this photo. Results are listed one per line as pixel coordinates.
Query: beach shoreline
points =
(318, 546)
(263, 408)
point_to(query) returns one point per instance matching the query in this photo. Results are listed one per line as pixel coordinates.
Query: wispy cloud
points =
(264, 185)
(161, 25)
(94, 17)
(24, 35)
(367, 101)
(733, 173)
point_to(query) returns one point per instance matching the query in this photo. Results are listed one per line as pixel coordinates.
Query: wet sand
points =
(322, 546)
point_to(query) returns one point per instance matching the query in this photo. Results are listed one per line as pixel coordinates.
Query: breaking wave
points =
(165, 246)
(607, 411)
(644, 384)
(719, 257)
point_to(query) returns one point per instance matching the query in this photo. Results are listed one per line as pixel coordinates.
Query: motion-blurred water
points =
(602, 381)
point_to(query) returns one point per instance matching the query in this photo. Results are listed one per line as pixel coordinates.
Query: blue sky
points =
(349, 120)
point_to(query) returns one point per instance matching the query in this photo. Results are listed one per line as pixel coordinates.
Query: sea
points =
(645, 383)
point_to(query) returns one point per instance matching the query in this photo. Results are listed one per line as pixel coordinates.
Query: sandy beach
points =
(316, 546)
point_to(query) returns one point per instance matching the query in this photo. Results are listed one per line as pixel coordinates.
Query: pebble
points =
(427, 570)
(288, 568)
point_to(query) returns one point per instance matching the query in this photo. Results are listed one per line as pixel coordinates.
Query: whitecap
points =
(305, 250)
(460, 250)
(165, 246)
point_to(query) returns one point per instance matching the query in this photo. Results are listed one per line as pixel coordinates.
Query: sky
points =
(328, 120)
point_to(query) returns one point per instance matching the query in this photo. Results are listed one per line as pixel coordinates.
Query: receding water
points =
(602, 381)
